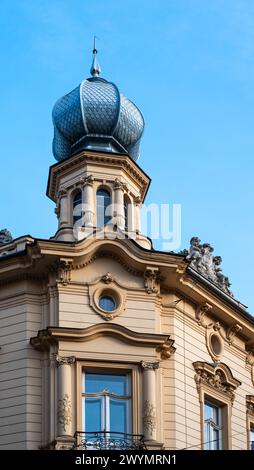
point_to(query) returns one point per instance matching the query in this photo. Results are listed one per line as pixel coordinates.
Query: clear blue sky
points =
(188, 65)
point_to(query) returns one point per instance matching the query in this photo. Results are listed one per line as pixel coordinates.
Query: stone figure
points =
(5, 236)
(202, 260)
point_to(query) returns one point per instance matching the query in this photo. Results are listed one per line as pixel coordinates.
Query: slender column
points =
(149, 393)
(119, 204)
(64, 213)
(88, 198)
(138, 203)
(64, 409)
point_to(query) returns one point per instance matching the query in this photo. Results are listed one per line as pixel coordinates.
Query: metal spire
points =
(95, 69)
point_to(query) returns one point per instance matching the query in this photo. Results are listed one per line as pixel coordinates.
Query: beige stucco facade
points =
(179, 338)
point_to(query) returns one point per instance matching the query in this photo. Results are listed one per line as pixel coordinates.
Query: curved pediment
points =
(52, 335)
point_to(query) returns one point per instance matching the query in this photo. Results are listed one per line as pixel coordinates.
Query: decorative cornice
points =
(52, 335)
(122, 161)
(150, 365)
(217, 377)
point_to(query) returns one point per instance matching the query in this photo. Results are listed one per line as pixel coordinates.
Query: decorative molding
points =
(150, 365)
(149, 419)
(60, 360)
(62, 193)
(250, 405)
(152, 280)
(88, 180)
(64, 411)
(214, 342)
(166, 349)
(107, 278)
(201, 311)
(64, 271)
(119, 184)
(217, 377)
(52, 335)
(232, 331)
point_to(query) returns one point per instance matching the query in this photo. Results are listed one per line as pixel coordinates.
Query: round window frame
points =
(215, 355)
(108, 292)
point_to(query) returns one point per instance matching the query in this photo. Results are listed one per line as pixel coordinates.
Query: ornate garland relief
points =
(64, 411)
(217, 378)
(149, 419)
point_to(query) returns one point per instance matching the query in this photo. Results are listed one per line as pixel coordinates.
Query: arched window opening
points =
(103, 201)
(77, 211)
(127, 209)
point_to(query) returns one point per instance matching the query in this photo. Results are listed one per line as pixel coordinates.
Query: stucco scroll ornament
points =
(150, 365)
(232, 332)
(107, 278)
(166, 349)
(64, 411)
(64, 271)
(152, 280)
(216, 377)
(201, 311)
(149, 419)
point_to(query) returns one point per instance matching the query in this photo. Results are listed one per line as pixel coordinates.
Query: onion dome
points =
(96, 116)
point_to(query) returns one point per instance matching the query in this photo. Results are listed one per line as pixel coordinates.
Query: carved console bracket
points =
(201, 311)
(166, 349)
(217, 377)
(152, 280)
(232, 331)
(64, 270)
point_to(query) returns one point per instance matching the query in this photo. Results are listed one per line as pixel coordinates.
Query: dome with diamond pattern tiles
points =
(96, 116)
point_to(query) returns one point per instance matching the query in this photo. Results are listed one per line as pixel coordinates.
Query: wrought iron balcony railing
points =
(107, 440)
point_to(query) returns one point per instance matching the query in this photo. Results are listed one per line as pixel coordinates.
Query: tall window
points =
(252, 437)
(213, 428)
(126, 213)
(77, 211)
(106, 403)
(103, 201)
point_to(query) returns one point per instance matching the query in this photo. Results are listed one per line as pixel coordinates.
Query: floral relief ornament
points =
(149, 417)
(64, 411)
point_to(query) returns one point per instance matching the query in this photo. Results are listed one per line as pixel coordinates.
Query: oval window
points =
(107, 303)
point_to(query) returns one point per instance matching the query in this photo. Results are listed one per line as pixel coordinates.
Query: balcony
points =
(107, 440)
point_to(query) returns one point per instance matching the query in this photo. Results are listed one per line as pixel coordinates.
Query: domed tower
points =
(97, 185)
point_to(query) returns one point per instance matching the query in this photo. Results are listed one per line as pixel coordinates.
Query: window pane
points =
(93, 414)
(252, 438)
(98, 382)
(107, 303)
(119, 415)
(77, 201)
(103, 202)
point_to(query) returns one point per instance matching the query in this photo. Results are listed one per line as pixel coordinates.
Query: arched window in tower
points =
(77, 207)
(103, 201)
(126, 213)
